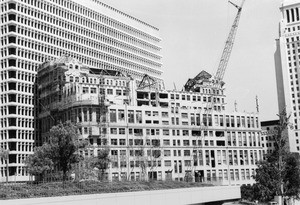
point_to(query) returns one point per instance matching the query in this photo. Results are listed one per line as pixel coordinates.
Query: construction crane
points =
(229, 44)
(190, 84)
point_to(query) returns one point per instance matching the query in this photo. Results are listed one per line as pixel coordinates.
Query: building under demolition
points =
(151, 133)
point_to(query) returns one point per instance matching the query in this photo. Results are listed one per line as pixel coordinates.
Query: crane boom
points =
(229, 44)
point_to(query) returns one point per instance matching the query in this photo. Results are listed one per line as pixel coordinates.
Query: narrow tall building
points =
(34, 31)
(287, 60)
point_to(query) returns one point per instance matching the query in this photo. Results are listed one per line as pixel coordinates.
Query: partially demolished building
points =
(151, 132)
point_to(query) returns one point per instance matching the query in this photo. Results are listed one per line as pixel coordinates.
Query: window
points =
(166, 142)
(186, 142)
(121, 115)
(109, 91)
(113, 131)
(166, 132)
(187, 153)
(168, 163)
(118, 92)
(185, 132)
(167, 153)
(93, 90)
(121, 131)
(113, 116)
(122, 141)
(164, 114)
(114, 142)
(130, 116)
(85, 90)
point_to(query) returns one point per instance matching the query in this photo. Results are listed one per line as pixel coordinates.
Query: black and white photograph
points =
(150, 102)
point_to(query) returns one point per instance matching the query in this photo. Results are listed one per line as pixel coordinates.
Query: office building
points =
(33, 31)
(151, 132)
(287, 68)
(268, 134)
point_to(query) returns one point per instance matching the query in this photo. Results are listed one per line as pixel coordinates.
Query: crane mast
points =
(192, 83)
(228, 45)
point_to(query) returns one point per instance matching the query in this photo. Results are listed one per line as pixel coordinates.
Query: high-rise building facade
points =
(151, 133)
(33, 31)
(268, 134)
(287, 61)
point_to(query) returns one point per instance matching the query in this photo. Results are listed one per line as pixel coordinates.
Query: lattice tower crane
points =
(229, 44)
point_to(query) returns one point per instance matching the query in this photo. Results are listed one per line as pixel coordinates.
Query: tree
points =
(279, 174)
(102, 161)
(40, 162)
(4, 154)
(64, 142)
(86, 169)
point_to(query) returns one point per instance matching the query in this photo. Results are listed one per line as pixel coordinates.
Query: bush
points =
(247, 192)
(16, 191)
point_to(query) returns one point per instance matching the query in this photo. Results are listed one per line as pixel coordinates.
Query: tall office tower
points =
(33, 31)
(287, 60)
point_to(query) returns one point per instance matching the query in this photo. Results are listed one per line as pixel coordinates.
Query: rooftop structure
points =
(151, 132)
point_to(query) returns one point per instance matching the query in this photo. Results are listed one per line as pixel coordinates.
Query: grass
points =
(51, 189)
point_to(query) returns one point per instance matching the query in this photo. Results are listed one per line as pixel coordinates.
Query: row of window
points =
(18, 98)
(292, 14)
(21, 64)
(84, 56)
(20, 75)
(19, 110)
(16, 170)
(204, 157)
(16, 122)
(98, 17)
(16, 86)
(16, 134)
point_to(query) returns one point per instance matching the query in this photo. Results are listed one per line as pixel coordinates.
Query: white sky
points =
(193, 36)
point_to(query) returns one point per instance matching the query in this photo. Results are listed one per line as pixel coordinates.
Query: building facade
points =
(268, 134)
(151, 133)
(33, 31)
(287, 68)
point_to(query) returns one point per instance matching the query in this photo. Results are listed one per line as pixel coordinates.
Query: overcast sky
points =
(193, 36)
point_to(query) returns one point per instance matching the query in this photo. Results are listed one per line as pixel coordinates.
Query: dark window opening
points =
(220, 143)
(12, 51)
(12, 86)
(12, 170)
(12, 62)
(12, 122)
(12, 146)
(11, 28)
(288, 16)
(12, 98)
(12, 134)
(219, 134)
(12, 158)
(11, 17)
(11, 6)
(163, 95)
(12, 110)
(212, 154)
(12, 74)
(11, 39)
